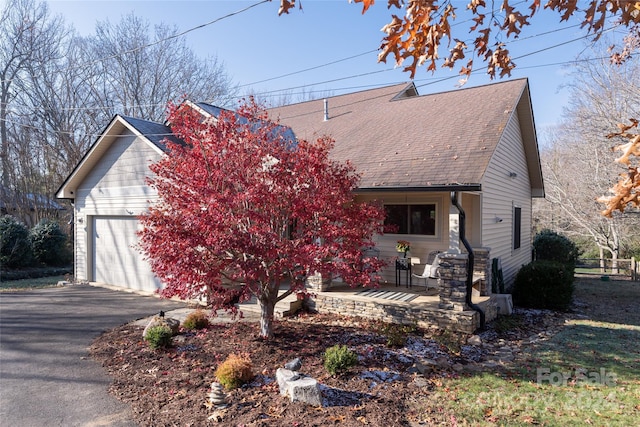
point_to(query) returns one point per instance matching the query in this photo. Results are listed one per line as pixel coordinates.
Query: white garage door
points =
(116, 260)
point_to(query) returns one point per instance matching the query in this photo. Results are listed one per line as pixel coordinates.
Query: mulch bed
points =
(170, 387)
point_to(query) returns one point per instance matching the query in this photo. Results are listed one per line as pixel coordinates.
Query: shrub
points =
(396, 335)
(339, 358)
(15, 249)
(551, 246)
(235, 371)
(49, 244)
(544, 284)
(196, 320)
(159, 337)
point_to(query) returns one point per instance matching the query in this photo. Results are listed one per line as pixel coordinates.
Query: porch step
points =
(285, 307)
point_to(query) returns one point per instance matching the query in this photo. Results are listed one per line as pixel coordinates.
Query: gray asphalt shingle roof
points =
(439, 139)
(154, 132)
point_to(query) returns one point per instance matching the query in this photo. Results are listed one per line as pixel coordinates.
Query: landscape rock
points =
(474, 340)
(217, 396)
(298, 388)
(293, 365)
(173, 324)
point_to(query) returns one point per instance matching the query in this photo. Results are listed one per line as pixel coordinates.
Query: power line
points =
(171, 37)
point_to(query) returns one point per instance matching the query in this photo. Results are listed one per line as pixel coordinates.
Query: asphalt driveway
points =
(46, 376)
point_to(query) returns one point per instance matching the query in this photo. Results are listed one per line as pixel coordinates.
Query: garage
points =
(116, 260)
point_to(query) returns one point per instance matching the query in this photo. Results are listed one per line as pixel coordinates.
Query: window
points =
(517, 226)
(411, 219)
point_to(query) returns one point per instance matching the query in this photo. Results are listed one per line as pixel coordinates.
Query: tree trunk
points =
(267, 307)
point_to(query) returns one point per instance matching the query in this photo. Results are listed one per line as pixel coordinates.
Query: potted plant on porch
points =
(402, 246)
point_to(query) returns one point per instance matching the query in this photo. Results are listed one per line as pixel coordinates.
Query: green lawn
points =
(587, 374)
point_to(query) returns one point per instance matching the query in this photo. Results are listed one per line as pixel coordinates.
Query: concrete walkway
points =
(46, 376)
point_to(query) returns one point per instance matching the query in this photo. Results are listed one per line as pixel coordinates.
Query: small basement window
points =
(411, 219)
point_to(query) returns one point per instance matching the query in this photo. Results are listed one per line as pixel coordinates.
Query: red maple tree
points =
(244, 209)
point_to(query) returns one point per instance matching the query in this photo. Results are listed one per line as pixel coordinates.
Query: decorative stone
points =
(298, 388)
(294, 365)
(474, 340)
(217, 396)
(504, 303)
(171, 323)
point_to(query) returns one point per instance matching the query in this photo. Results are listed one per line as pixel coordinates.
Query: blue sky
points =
(265, 52)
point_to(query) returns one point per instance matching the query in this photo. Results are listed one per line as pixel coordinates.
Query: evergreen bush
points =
(49, 244)
(159, 337)
(15, 248)
(551, 246)
(196, 320)
(235, 371)
(544, 284)
(339, 358)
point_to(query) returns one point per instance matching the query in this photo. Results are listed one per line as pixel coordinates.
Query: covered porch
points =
(461, 299)
(401, 305)
(446, 306)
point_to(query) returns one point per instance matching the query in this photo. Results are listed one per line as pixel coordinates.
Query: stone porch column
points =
(482, 268)
(452, 281)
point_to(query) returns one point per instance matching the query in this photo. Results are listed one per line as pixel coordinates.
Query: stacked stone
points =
(411, 313)
(217, 396)
(452, 282)
(317, 283)
(482, 267)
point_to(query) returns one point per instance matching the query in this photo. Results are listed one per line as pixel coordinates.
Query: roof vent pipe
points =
(326, 109)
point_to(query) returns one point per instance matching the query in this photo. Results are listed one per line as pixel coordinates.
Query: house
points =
(29, 208)
(109, 191)
(413, 151)
(477, 145)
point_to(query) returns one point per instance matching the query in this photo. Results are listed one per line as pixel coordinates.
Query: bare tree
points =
(58, 90)
(29, 35)
(144, 71)
(577, 168)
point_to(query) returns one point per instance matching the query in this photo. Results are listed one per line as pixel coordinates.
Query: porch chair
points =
(430, 269)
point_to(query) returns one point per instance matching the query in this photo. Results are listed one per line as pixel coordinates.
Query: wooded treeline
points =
(578, 161)
(58, 90)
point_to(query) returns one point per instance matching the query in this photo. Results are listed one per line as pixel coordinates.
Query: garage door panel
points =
(116, 261)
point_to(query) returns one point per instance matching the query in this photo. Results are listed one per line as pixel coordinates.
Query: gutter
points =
(425, 188)
(463, 239)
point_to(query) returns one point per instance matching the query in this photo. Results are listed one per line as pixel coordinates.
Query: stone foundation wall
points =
(460, 321)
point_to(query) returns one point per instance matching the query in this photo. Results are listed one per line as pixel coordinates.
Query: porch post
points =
(454, 230)
(452, 281)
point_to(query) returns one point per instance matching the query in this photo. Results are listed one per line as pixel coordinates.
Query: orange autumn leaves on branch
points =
(627, 190)
(414, 37)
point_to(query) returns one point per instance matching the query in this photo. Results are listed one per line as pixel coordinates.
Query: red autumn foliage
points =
(243, 209)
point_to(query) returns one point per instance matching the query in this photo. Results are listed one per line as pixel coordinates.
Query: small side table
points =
(403, 264)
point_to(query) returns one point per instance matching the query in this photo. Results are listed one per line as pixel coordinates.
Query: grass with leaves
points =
(23, 284)
(587, 374)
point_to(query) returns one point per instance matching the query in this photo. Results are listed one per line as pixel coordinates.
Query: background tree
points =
(30, 37)
(58, 90)
(144, 70)
(577, 167)
(243, 208)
